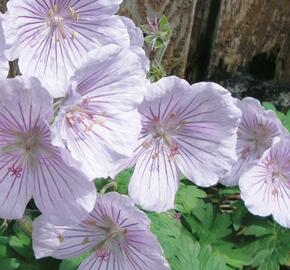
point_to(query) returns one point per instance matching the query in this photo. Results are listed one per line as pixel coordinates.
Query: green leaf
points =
(25, 266)
(168, 230)
(72, 264)
(3, 251)
(180, 248)
(270, 248)
(4, 240)
(209, 227)
(9, 264)
(210, 259)
(21, 244)
(259, 228)
(239, 213)
(187, 198)
(123, 180)
(164, 24)
(187, 256)
(150, 39)
(269, 106)
(287, 121)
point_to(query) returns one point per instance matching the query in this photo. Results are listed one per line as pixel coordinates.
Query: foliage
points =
(157, 36)
(16, 251)
(205, 238)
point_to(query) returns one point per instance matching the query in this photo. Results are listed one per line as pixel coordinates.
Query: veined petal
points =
(197, 124)
(208, 138)
(19, 112)
(4, 66)
(62, 192)
(137, 42)
(116, 233)
(62, 242)
(108, 82)
(31, 164)
(265, 187)
(102, 126)
(15, 187)
(155, 180)
(258, 131)
(51, 38)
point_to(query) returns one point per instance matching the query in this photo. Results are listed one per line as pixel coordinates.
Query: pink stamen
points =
(174, 150)
(103, 255)
(15, 171)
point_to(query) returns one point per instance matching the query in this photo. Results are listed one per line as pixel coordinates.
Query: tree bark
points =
(180, 14)
(3, 5)
(252, 36)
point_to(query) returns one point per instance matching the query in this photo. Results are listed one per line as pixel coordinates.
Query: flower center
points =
(112, 232)
(279, 176)
(165, 130)
(261, 137)
(56, 21)
(27, 142)
(84, 117)
(28, 145)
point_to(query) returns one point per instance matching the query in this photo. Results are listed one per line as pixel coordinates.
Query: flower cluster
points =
(108, 117)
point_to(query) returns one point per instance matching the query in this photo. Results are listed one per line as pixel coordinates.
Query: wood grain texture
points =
(249, 31)
(180, 14)
(3, 5)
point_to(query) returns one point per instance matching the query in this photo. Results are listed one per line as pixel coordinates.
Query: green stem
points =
(112, 184)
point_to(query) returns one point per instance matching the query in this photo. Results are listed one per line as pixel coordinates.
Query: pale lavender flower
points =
(137, 42)
(116, 233)
(30, 166)
(50, 37)
(4, 67)
(185, 129)
(258, 131)
(265, 186)
(98, 122)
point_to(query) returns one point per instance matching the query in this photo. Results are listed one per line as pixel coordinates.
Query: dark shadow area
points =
(263, 66)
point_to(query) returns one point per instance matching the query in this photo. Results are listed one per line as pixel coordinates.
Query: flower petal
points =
(258, 131)
(21, 108)
(31, 163)
(137, 42)
(116, 233)
(4, 67)
(155, 181)
(200, 121)
(111, 92)
(208, 139)
(256, 194)
(61, 242)
(62, 192)
(265, 187)
(51, 40)
(15, 188)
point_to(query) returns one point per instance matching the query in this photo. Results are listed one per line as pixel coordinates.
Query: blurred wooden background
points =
(211, 37)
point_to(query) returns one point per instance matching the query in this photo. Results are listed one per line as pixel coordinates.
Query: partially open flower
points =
(185, 129)
(265, 187)
(258, 131)
(50, 38)
(30, 166)
(98, 122)
(116, 233)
